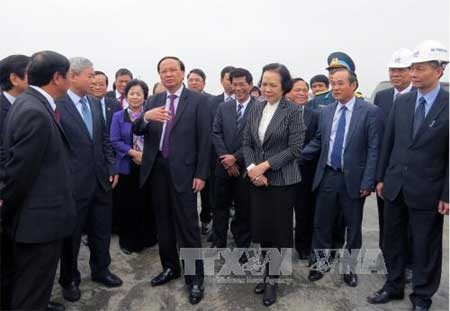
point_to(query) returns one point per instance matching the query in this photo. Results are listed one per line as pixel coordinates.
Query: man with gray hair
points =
(93, 177)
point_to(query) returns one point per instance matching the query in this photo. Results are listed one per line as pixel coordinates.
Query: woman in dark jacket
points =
(272, 141)
(137, 229)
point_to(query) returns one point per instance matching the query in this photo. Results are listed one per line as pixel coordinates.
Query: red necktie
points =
(57, 116)
(121, 98)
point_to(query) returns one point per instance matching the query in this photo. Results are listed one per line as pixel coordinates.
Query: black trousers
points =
(228, 190)
(304, 216)
(425, 227)
(34, 273)
(137, 227)
(332, 201)
(207, 200)
(7, 270)
(177, 220)
(94, 214)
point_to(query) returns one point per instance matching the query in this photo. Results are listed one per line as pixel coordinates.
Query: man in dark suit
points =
(94, 175)
(400, 79)
(122, 77)
(175, 166)
(413, 180)
(207, 212)
(38, 206)
(347, 141)
(109, 105)
(230, 186)
(13, 82)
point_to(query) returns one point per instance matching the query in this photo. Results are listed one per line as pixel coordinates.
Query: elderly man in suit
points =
(230, 186)
(413, 180)
(94, 175)
(37, 195)
(13, 82)
(175, 165)
(347, 144)
(400, 78)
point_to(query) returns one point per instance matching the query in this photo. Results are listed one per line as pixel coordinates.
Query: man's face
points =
(99, 86)
(318, 87)
(241, 89)
(341, 87)
(425, 76)
(82, 81)
(121, 83)
(400, 77)
(226, 84)
(196, 82)
(299, 93)
(171, 74)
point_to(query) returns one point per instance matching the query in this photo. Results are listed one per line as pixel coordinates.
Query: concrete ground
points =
(330, 293)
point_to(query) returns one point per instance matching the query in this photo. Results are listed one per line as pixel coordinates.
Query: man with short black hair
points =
(320, 89)
(122, 77)
(38, 206)
(196, 80)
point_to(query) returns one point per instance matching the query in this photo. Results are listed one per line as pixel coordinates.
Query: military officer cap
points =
(340, 60)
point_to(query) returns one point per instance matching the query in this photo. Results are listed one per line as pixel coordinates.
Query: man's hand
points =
(114, 180)
(364, 193)
(137, 157)
(233, 170)
(159, 114)
(198, 185)
(258, 170)
(380, 187)
(227, 160)
(260, 181)
(443, 207)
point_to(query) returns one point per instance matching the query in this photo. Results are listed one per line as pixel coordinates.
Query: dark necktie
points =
(57, 115)
(239, 114)
(419, 116)
(121, 98)
(336, 153)
(87, 117)
(169, 125)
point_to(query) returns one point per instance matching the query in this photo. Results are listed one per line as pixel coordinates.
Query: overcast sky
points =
(211, 34)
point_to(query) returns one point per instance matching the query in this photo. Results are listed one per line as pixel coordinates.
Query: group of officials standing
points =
(66, 144)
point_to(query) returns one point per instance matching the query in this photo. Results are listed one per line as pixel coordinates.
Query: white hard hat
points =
(430, 50)
(401, 59)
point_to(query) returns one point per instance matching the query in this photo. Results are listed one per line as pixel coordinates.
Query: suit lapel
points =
(245, 116)
(72, 109)
(231, 115)
(277, 118)
(354, 121)
(435, 110)
(160, 100)
(94, 116)
(181, 107)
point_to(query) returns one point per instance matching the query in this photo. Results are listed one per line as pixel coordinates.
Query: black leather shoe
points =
(314, 275)
(71, 292)
(109, 280)
(419, 308)
(260, 287)
(195, 294)
(383, 296)
(54, 306)
(164, 277)
(351, 279)
(270, 294)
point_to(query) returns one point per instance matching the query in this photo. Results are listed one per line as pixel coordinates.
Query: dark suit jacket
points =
(227, 136)
(93, 159)
(213, 102)
(111, 94)
(281, 145)
(4, 108)
(190, 140)
(37, 192)
(419, 166)
(111, 106)
(361, 147)
(311, 120)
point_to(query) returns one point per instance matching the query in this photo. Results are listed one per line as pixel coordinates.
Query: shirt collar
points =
(103, 100)
(404, 91)
(430, 96)
(244, 103)
(117, 94)
(349, 105)
(74, 97)
(177, 92)
(226, 96)
(47, 96)
(273, 106)
(9, 97)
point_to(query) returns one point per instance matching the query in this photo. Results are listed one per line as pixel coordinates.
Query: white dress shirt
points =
(178, 93)
(244, 104)
(267, 115)
(46, 95)
(102, 101)
(9, 97)
(76, 99)
(124, 102)
(406, 90)
(337, 114)
(227, 97)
